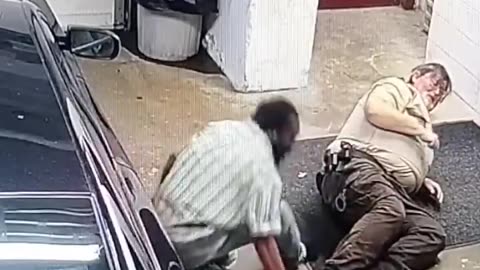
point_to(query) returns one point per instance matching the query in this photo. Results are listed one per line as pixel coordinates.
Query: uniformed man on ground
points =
(376, 170)
(223, 191)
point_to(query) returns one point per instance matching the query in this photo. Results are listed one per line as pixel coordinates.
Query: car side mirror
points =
(92, 43)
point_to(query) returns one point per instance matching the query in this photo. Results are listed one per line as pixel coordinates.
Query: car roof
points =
(37, 149)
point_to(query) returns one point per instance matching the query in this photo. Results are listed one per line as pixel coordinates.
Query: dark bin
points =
(198, 7)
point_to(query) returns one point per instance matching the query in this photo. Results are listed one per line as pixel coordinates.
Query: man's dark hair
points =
(278, 118)
(274, 114)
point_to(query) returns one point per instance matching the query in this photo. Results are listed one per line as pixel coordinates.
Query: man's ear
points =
(415, 76)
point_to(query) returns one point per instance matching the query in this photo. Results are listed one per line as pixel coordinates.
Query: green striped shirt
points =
(225, 178)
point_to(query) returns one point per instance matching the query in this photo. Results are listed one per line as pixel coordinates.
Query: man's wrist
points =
(418, 128)
(421, 130)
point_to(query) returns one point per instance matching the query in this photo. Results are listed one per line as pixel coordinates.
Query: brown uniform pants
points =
(388, 229)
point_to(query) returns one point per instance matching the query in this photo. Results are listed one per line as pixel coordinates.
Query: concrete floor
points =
(154, 109)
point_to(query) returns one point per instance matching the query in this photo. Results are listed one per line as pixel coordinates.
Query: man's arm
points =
(268, 252)
(382, 109)
(168, 166)
(263, 215)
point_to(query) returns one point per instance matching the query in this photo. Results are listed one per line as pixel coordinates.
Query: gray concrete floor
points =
(154, 109)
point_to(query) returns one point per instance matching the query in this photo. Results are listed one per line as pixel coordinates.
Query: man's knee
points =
(439, 234)
(439, 241)
(432, 232)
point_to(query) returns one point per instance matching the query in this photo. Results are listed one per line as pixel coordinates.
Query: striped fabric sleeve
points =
(264, 203)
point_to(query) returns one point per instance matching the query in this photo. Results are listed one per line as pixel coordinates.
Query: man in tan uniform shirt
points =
(392, 148)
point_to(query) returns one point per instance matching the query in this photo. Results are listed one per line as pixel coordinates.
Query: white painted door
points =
(107, 14)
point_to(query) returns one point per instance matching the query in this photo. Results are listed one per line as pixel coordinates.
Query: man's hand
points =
(434, 189)
(431, 138)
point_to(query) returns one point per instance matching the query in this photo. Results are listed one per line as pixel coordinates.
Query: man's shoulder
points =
(395, 87)
(219, 130)
(394, 82)
(223, 123)
(391, 79)
(243, 134)
(229, 126)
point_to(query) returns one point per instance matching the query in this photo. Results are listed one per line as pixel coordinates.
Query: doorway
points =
(336, 4)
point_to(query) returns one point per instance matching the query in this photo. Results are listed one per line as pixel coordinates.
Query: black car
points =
(69, 196)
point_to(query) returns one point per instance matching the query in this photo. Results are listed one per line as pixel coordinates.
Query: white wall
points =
(454, 40)
(264, 45)
(95, 13)
(421, 4)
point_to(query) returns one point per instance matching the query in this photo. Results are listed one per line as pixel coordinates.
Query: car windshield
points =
(50, 233)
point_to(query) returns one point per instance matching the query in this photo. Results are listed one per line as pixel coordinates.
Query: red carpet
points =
(336, 4)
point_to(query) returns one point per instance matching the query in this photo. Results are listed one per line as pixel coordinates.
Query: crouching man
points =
(375, 173)
(223, 191)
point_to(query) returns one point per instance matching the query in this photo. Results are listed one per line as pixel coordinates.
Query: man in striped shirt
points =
(223, 191)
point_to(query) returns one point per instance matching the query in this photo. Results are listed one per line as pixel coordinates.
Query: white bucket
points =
(168, 35)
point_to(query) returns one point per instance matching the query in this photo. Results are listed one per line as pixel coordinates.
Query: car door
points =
(150, 229)
(91, 144)
(133, 203)
(131, 190)
(132, 187)
(117, 152)
(125, 217)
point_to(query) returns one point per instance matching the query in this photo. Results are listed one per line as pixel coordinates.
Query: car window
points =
(76, 85)
(130, 197)
(121, 182)
(41, 25)
(76, 82)
(93, 132)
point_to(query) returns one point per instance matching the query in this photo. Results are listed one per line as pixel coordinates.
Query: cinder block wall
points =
(454, 40)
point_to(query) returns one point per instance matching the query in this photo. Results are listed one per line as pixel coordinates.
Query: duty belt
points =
(334, 160)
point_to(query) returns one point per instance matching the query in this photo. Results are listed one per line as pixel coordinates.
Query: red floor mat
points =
(335, 4)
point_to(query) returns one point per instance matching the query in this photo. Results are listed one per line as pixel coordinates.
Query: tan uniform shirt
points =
(407, 158)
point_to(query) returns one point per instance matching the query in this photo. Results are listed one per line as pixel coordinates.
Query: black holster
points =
(332, 182)
(332, 188)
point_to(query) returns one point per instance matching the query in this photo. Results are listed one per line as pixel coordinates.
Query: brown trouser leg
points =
(386, 232)
(421, 241)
